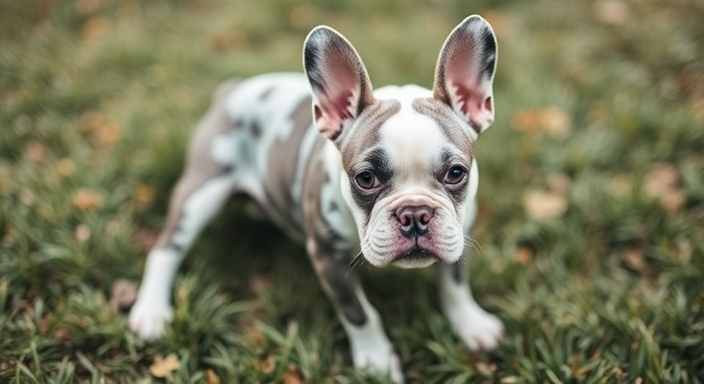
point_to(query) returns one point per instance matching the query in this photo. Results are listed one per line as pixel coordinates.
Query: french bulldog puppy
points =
(387, 174)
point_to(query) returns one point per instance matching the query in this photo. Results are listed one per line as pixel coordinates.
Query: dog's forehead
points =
(413, 129)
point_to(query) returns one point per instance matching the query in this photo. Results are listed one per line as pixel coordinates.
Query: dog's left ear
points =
(338, 78)
(465, 72)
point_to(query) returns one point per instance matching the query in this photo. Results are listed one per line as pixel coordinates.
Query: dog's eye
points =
(454, 175)
(366, 180)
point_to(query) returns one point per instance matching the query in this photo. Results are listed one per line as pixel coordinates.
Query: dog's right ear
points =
(338, 79)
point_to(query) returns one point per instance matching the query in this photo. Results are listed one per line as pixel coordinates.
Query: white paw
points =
(478, 329)
(381, 361)
(147, 318)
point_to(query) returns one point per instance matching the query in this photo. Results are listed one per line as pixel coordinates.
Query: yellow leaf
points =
(524, 255)
(211, 377)
(162, 367)
(95, 28)
(544, 205)
(87, 200)
(292, 375)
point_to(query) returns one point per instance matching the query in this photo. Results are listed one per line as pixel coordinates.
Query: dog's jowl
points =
(345, 168)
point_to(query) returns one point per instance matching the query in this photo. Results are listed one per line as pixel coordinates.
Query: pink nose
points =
(413, 220)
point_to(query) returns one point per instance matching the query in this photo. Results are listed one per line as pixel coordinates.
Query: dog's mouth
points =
(415, 257)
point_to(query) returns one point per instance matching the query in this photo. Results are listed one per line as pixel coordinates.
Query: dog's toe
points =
(147, 321)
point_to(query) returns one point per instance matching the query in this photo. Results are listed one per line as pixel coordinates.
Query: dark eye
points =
(366, 180)
(454, 175)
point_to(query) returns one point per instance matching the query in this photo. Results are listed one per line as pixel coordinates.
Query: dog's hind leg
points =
(202, 190)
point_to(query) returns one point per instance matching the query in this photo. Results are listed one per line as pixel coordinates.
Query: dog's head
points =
(407, 152)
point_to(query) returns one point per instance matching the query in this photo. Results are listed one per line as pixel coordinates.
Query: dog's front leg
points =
(371, 348)
(478, 329)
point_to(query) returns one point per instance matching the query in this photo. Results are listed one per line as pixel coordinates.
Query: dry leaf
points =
(557, 123)
(634, 258)
(87, 200)
(662, 183)
(612, 12)
(109, 134)
(211, 377)
(292, 375)
(267, 365)
(95, 28)
(524, 255)
(553, 120)
(544, 205)
(143, 195)
(123, 295)
(82, 233)
(35, 152)
(162, 367)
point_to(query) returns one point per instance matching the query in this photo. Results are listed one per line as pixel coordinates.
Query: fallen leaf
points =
(544, 205)
(662, 182)
(292, 375)
(634, 258)
(143, 195)
(35, 152)
(267, 365)
(87, 200)
(162, 367)
(524, 255)
(552, 120)
(109, 134)
(211, 377)
(123, 295)
(557, 122)
(82, 233)
(96, 28)
(612, 12)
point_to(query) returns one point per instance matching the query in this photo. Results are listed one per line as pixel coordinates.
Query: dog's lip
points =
(415, 254)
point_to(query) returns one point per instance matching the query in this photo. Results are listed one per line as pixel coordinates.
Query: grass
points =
(591, 228)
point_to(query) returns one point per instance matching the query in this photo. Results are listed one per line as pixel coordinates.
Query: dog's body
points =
(392, 174)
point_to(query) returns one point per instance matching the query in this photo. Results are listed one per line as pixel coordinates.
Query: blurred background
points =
(589, 243)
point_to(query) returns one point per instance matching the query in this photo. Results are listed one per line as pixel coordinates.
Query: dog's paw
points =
(379, 361)
(147, 319)
(478, 329)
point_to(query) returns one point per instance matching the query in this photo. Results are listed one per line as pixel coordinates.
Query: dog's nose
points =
(413, 220)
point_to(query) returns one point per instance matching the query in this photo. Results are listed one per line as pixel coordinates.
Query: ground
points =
(589, 243)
